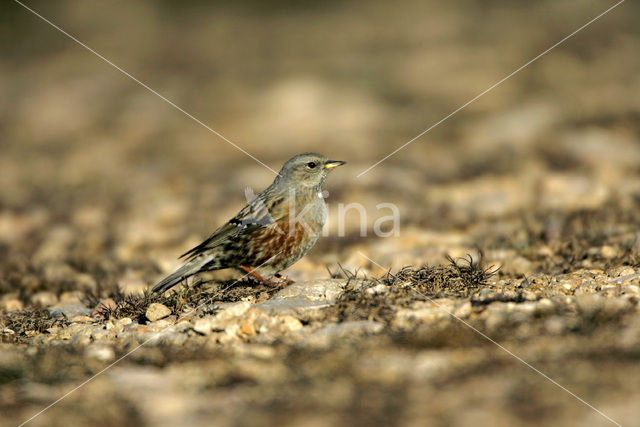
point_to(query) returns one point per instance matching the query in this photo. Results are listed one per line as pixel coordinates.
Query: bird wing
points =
(254, 216)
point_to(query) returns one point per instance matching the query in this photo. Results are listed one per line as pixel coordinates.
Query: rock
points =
(44, 299)
(555, 325)
(590, 305)
(161, 324)
(71, 331)
(608, 252)
(130, 285)
(423, 311)
(82, 319)
(323, 337)
(245, 322)
(121, 323)
(58, 272)
(229, 314)
(55, 245)
(80, 340)
(289, 323)
(292, 306)
(545, 306)
(100, 333)
(250, 323)
(203, 325)
(519, 265)
(11, 304)
(622, 271)
(464, 310)
(315, 290)
(233, 309)
(627, 277)
(86, 282)
(157, 311)
(103, 353)
(303, 297)
(377, 289)
(71, 298)
(69, 311)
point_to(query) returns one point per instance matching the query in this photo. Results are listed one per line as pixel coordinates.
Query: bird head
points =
(308, 169)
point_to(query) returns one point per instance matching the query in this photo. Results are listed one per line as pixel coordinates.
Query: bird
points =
(273, 231)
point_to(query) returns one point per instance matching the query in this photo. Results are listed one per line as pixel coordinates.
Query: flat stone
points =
(291, 306)
(69, 311)
(303, 297)
(316, 290)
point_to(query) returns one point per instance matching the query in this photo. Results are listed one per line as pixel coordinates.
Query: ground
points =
(509, 296)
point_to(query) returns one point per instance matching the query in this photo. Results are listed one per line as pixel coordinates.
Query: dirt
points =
(510, 296)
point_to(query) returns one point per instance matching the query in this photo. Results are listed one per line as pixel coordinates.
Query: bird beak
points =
(330, 164)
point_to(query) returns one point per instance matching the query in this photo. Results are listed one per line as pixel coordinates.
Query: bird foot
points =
(284, 279)
(260, 278)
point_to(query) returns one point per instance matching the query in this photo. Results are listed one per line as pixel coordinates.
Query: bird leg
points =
(259, 277)
(285, 279)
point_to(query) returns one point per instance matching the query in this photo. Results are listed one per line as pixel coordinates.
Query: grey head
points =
(307, 170)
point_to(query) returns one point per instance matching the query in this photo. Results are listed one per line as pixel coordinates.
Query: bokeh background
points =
(103, 184)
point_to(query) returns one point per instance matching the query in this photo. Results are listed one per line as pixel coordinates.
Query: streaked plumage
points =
(273, 231)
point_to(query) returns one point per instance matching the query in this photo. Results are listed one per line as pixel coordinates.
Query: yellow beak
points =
(330, 164)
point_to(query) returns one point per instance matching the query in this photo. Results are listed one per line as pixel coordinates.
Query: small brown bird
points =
(273, 231)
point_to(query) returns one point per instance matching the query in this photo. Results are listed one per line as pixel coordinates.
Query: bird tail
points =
(187, 270)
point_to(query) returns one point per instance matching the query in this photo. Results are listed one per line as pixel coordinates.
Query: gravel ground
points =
(510, 296)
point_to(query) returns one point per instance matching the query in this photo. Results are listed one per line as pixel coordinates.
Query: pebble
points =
(203, 326)
(302, 299)
(157, 311)
(608, 252)
(464, 310)
(72, 298)
(99, 352)
(377, 289)
(12, 304)
(85, 282)
(44, 299)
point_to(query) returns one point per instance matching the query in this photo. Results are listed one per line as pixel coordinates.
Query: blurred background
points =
(104, 183)
(86, 148)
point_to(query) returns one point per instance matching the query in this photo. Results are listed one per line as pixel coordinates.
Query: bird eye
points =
(311, 165)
